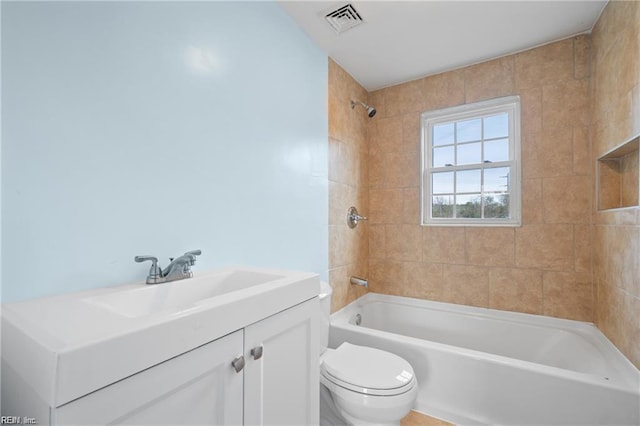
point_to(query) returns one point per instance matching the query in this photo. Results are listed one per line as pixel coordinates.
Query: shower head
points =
(371, 111)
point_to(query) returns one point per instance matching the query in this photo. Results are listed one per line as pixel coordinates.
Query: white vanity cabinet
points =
(168, 369)
(196, 388)
(281, 382)
(278, 384)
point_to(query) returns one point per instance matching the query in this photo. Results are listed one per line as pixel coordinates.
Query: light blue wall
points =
(157, 128)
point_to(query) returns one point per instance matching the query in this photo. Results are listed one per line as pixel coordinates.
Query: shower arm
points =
(371, 111)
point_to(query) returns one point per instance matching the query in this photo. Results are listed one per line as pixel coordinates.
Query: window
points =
(471, 164)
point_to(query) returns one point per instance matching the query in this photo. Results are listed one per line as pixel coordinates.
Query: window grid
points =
(482, 192)
(472, 166)
(509, 106)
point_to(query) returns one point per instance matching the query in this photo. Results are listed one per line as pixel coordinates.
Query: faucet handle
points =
(192, 254)
(140, 259)
(154, 271)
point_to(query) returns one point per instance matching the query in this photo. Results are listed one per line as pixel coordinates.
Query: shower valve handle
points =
(353, 217)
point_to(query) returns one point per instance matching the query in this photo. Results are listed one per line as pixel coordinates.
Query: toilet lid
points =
(368, 370)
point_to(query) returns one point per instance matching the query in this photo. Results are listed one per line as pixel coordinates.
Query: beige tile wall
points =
(348, 152)
(543, 267)
(616, 118)
(580, 98)
(629, 179)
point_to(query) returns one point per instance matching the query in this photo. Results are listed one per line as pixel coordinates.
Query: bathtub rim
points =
(340, 319)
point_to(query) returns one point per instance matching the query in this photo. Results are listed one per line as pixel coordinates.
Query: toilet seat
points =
(368, 370)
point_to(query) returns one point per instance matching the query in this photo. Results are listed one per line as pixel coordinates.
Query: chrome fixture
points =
(178, 269)
(256, 352)
(359, 281)
(238, 363)
(371, 111)
(353, 217)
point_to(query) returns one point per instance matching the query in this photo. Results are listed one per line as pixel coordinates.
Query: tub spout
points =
(360, 281)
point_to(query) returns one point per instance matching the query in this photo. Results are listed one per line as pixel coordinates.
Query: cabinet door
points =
(199, 387)
(281, 386)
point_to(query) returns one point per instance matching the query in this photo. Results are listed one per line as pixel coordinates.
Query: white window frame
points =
(510, 105)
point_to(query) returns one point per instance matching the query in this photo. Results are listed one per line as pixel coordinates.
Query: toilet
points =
(360, 385)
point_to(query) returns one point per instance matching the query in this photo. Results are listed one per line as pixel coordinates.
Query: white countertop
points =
(73, 344)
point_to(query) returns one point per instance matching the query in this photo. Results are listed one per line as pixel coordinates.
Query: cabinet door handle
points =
(238, 363)
(257, 352)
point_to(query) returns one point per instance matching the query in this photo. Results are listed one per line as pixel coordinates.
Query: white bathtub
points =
(483, 366)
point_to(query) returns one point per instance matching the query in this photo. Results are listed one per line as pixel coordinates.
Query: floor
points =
(418, 419)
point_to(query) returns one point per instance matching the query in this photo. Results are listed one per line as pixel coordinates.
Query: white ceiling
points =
(405, 40)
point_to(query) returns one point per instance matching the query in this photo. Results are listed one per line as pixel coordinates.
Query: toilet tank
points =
(325, 314)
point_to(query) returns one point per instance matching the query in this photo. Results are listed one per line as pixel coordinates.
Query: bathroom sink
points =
(180, 295)
(140, 325)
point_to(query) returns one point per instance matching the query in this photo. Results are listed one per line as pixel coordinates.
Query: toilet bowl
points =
(367, 385)
(362, 385)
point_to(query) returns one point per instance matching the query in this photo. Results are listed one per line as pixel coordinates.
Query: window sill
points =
(484, 224)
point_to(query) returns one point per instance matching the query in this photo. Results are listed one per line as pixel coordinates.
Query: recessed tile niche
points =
(619, 176)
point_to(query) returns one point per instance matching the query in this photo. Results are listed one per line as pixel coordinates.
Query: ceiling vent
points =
(344, 18)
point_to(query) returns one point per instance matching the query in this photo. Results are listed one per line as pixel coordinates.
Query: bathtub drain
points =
(358, 319)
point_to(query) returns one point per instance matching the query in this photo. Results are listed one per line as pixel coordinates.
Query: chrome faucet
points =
(178, 269)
